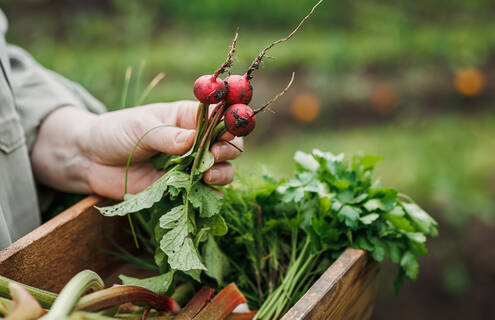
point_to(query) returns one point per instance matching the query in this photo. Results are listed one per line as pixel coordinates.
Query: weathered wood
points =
(346, 291)
(53, 253)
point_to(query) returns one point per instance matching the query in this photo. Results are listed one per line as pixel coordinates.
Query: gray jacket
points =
(28, 93)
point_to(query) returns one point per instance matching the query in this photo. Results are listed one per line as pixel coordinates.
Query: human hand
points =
(81, 152)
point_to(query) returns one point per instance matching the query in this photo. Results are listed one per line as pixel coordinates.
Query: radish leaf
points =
(159, 284)
(206, 199)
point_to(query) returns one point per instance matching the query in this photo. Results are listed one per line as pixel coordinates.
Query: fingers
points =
(169, 140)
(109, 181)
(179, 113)
(223, 151)
(220, 174)
(227, 136)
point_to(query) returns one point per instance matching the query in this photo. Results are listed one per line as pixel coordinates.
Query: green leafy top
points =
(331, 202)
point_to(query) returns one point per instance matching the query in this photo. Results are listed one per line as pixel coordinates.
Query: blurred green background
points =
(412, 81)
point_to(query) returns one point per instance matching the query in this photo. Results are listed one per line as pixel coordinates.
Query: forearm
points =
(57, 158)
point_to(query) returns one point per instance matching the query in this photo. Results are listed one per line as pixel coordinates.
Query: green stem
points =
(219, 130)
(138, 81)
(278, 300)
(82, 315)
(127, 81)
(72, 292)
(128, 164)
(150, 87)
(6, 306)
(45, 298)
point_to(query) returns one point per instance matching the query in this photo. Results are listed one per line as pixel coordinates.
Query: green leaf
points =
(379, 249)
(142, 200)
(396, 217)
(185, 257)
(387, 196)
(362, 243)
(195, 274)
(161, 160)
(161, 260)
(416, 236)
(206, 199)
(160, 284)
(170, 219)
(216, 225)
(306, 161)
(409, 263)
(350, 216)
(178, 179)
(217, 264)
(421, 219)
(394, 251)
(374, 205)
(207, 161)
(201, 236)
(173, 240)
(368, 219)
(359, 198)
(369, 161)
(147, 197)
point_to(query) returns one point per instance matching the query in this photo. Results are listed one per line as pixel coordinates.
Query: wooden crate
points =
(53, 253)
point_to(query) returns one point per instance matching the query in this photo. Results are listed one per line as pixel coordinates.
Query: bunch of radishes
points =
(233, 94)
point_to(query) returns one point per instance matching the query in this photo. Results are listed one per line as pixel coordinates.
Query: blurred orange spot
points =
(384, 98)
(469, 81)
(305, 107)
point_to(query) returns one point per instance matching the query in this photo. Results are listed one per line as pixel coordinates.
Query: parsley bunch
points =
(284, 234)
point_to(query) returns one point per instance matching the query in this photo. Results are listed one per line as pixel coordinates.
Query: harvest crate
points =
(53, 253)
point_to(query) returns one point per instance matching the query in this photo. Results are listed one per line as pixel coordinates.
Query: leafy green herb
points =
(283, 233)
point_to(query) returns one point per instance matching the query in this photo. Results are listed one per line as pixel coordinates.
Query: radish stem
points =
(70, 294)
(45, 298)
(121, 294)
(128, 164)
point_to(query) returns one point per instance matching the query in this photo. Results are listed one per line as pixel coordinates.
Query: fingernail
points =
(184, 136)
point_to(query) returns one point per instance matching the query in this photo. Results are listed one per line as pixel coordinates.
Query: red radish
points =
(239, 90)
(239, 120)
(209, 89)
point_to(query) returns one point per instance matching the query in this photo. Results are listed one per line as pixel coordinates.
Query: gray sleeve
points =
(38, 92)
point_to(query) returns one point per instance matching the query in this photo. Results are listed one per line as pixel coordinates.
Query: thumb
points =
(169, 140)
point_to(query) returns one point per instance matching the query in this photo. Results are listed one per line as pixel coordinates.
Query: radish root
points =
(256, 63)
(228, 62)
(263, 108)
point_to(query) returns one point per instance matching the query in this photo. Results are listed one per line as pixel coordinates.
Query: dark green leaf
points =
(160, 284)
(207, 161)
(409, 263)
(424, 222)
(217, 264)
(350, 216)
(368, 219)
(206, 199)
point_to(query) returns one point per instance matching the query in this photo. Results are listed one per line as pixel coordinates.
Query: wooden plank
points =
(346, 291)
(53, 253)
